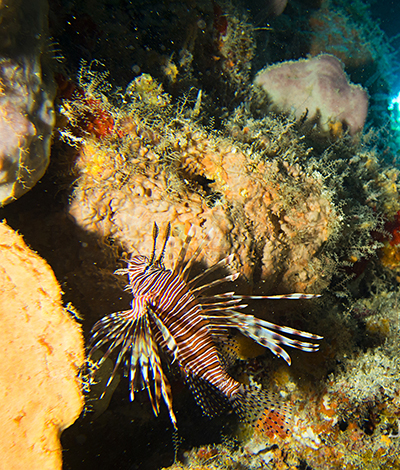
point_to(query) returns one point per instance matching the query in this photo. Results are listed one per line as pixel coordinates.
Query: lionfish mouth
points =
(173, 314)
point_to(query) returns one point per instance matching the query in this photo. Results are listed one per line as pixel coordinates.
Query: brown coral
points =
(41, 353)
(270, 212)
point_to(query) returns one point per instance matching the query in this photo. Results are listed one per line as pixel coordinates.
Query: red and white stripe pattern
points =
(171, 313)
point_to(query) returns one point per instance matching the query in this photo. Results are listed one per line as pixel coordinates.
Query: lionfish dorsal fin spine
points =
(198, 290)
(186, 270)
(179, 263)
(222, 263)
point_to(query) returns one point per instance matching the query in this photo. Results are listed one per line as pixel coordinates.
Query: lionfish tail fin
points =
(270, 335)
(254, 405)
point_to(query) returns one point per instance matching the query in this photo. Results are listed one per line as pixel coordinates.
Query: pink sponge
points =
(318, 86)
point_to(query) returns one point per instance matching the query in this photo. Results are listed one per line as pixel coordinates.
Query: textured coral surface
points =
(273, 214)
(302, 203)
(41, 351)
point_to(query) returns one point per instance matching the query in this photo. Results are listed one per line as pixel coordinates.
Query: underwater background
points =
(274, 124)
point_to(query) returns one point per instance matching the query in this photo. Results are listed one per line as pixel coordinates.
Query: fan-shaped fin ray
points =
(261, 332)
(179, 263)
(223, 262)
(125, 332)
(211, 400)
(204, 287)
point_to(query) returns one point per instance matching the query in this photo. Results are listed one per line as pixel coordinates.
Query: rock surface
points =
(26, 97)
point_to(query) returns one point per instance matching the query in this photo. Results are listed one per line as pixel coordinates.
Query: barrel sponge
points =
(319, 87)
(41, 351)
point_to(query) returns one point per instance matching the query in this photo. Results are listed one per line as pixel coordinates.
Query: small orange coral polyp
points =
(390, 253)
(272, 423)
(100, 120)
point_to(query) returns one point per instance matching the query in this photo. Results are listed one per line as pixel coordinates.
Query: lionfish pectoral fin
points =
(146, 354)
(269, 335)
(250, 402)
(211, 400)
(130, 330)
(166, 334)
(114, 329)
(294, 296)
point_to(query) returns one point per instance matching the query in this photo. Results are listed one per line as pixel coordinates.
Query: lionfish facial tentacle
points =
(155, 236)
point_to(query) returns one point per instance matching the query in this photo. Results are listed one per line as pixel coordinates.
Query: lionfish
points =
(171, 313)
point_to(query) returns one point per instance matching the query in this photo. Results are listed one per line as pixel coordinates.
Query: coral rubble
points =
(41, 354)
(26, 98)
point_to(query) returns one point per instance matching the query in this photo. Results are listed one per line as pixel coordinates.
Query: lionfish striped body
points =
(169, 312)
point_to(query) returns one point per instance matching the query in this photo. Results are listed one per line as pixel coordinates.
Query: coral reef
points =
(209, 45)
(319, 89)
(41, 353)
(301, 214)
(26, 98)
(275, 214)
(303, 201)
(349, 33)
(336, 33)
